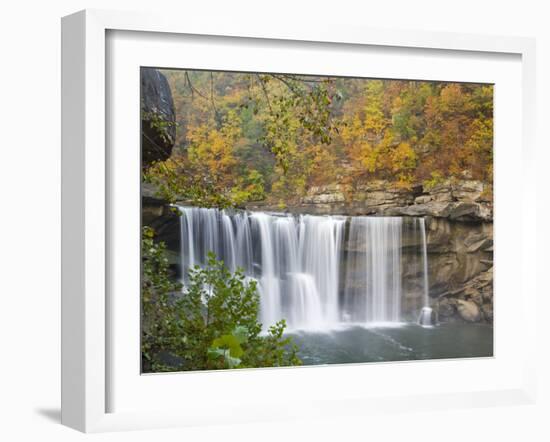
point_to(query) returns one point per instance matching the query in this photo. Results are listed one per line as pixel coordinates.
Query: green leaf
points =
(229, 361)
(232, 362)
(229, 342)
(241, 334)
(215, 353)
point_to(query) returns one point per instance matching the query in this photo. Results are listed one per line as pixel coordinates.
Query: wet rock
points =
(487, 295)
(446, 308)
(487, 310)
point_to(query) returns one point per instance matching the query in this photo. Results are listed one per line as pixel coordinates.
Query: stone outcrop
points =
(458, 200)
(158, 117)
(458, 253)
(471, 302)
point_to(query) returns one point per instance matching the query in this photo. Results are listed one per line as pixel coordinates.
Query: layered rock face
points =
(463, 200)
(460, 269)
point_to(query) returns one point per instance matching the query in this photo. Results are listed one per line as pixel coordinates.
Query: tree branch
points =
(265, 92)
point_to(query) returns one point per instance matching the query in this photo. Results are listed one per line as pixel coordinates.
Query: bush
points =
(212, 325)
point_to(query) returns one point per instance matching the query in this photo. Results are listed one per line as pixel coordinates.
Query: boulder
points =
(446, 308)
(158, 117)
(468, 310)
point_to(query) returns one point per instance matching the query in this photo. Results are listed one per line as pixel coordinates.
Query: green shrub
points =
(213, 324)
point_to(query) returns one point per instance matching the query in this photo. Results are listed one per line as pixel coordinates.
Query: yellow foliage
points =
(213, 147)
(403, 157)
(406, 132)
(375, 121)
(405, 181)
(321, 168)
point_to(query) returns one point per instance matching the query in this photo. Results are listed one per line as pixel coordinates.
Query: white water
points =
(424, 261)
(376, 253)
(427, 317)
(309, 270)
(320, 251)
(187, 242)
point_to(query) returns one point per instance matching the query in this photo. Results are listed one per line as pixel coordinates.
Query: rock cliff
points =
(158, 117)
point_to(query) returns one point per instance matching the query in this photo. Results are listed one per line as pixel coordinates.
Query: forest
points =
(247, 137)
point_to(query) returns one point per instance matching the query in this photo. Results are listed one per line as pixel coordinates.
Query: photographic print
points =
(292, 220)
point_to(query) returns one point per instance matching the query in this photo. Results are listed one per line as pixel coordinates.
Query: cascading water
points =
(270, 293)
(320, 248)
(424, 261)
(426, 317)
(200, 233)
(187, 240)
(244, 243)
(314, 271)
(373, 281)
(228, 238)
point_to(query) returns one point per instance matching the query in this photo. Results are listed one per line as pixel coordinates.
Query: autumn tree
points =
(244, 137)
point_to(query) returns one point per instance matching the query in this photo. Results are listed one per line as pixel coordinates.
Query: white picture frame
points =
(86, 206)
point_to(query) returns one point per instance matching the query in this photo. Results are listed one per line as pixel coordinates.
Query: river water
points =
(354, 344)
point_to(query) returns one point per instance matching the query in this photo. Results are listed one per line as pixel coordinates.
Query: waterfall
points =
(270, 294)
(320, 246)
(187, 243)
(427, 316)
(373, 281)
(200, 235)
(424, 261)
(307, 310)
(313, 271)
(228, 238)
(244, 243)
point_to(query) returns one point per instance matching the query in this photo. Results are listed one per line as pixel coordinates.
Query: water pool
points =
(354, 344)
